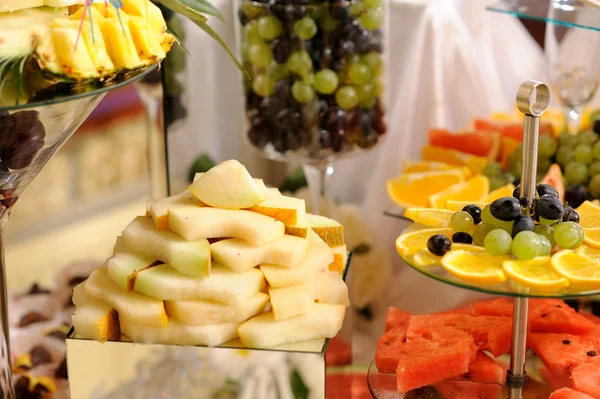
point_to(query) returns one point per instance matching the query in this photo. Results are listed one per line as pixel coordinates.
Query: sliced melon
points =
(227, 185)
(260, 184)
(191, 258)
(131, 305)
(99, 322)
(124, 266)
(288, 210)
(199, 313)
(272, 193)
(263, 331)
(332, 289)
(199, 223)
(240, 255)
(291, 301)
(329, 230)
(316, 261)
(223, 285)
(340, 257)
(159, 209)
(181, 334)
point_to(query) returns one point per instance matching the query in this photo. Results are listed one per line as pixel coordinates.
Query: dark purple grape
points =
(340, 12)
(575, 195)
(283, 89)
(379, 126)
(506, 208)
(474, 211)
(242, 17)
(517, 192)
(546, 189)
(462, 237)
(282, 49)
(366, 122)
(362, 41)
(259, 135)
(549, 207)
(439, 245)
(376, 42)
(350, 30)
(270, 106)
(570, 215)
(300, 11)
(338, 64)
(310, 114)
(597, 126)
(26, 136)
(522, 223)
(325, 58)
(346, 49)
(325, 138)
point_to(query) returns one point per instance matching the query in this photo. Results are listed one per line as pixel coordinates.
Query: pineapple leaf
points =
(206, 28)
(204, 7)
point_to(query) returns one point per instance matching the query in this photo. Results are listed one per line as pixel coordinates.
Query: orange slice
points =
(535, 273)
(592, 253)
(413, 190)
(453, 157)
(578, 269)
(475, 267)
(592, 237)
(426, 258)
(411, 166)
(457, 206)
(473, 189)
(504, 191)
(415, 241)
(589, 215)
(429, 217)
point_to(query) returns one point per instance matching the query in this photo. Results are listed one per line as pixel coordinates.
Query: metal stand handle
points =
(532, 100)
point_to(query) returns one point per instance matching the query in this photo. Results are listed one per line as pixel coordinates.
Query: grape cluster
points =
(316, 73)
(526, 229)
(22, 136)
(497, 176)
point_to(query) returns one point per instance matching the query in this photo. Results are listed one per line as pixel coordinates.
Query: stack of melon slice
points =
(228, 258)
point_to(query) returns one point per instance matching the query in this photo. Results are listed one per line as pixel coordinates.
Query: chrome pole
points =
(532, 100)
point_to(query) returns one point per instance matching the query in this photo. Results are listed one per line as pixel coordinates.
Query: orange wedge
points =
(505, 191)
(457, 206)
(412, 166)
(453, 157)
(413, 190)
(589, 215)
(535, 273)
(429, 217)
(416, 241)
(578, 269)
(473, 189)
(426, 258)
(475, 267)
(592, 253)
(592, 237)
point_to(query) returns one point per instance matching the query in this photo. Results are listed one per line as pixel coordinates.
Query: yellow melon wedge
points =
(159, 209)
(288, 210)
(291, 301)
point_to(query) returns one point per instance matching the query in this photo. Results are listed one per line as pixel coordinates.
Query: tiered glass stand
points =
(32, 130)
(532, 100)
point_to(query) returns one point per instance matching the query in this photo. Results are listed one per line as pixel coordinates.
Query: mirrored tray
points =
(571, 13)
(383, 386)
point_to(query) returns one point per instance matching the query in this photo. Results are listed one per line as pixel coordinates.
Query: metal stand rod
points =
(532, 100)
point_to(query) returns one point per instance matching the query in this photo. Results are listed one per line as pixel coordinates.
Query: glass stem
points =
(6, 383)
(573, 119)
(317, 177)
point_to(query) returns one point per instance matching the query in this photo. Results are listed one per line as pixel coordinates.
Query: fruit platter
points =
(228, 262)
(461, 353)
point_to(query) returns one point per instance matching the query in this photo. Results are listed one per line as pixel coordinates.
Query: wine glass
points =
(30, 135)
(573, 57)
(315, 92)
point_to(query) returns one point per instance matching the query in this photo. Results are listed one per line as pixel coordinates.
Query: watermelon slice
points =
(484, 369)
(396, 318)
(490, 333)
(483, 144)
(434, 356)
(389, 349)
(555, 381)
(339, 353)
(494, 307)
(512, 130)
(468, 389)
(586, 378)
(561, 353)
(591, 317)
(568, 393)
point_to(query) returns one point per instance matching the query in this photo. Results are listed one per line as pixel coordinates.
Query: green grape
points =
(567, 140)
(269, 27)
(496, 182)
(486, 216)
(569, 235)
(309, 79)
(372, 18)
(372, 3)
(596, 150)
(326, 81)
(583, 154)
(245, 49)
(359, 73)
(366, 95)
(356, 9)
(299, 63)
(317, 13)
(565, 155)
(594, 187)
(373, 60)
(378, 87)
(588, 137)
(508, 177)
(546, 246)
(576, 173)
(543, 165)
(497, 242)
(347, 97)
(515, 156)
(305, 28)
(594, 169)
(546, 146)
(516, 169)
(302, 92)
(328, 23)
(260, 54)
(251, 34)
(546, 231)
(353, 59)
(277, 71)
(548, 222)
(526, 245)
(492, 169)
(251, 10)
(480, 232)
(462, 222)
(263, 86)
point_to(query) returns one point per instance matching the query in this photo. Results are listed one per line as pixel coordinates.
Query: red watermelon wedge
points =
(484, 369)
(490, 333)
(494, 307)
(555, 316)
(434, 356)
(586, 378)
(389, 349)
(568, 393)
(555, 381)
(468, 389)
(396, 318)
(561, 353)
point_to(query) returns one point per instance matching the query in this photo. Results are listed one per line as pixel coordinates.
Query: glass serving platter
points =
(383, 386)
(571, 13)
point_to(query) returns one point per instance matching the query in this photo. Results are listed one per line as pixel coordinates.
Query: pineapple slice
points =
(119, 43)
(148, 47)
(73, 57)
